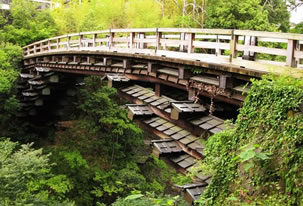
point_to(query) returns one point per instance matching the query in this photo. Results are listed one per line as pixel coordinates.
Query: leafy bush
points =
(260, 160)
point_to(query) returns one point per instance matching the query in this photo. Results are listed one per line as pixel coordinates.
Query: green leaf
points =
(133, 197)
(247, 155)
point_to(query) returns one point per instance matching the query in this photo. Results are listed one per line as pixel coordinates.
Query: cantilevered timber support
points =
(116, 80)
(184, 109)
(136, 111)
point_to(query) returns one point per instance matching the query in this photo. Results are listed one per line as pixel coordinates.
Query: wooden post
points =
(158, 90)
(111, 39)
(95, 36)
(218, 51)
(142, 45)
(290, 60)
(233, 46)
(131, 40)
(48, 45)
(191, 38)
(182, 38)
(158, 38)
(68, 42)
(58, 43)
(298, 48)
(80, 41)
(34, 48)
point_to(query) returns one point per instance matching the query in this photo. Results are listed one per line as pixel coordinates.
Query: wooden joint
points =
(225, 81)
(127, 63)
(152, 67)
(184, 73)
(107, 61)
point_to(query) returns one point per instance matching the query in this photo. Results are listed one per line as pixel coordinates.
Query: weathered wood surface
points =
(204, 45)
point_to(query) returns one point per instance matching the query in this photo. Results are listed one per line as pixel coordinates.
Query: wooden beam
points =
(152, 67)
(127, 63)
(158, 90)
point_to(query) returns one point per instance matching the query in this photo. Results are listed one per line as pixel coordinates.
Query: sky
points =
(297, 15)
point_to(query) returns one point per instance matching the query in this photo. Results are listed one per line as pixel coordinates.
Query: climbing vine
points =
(259, 161)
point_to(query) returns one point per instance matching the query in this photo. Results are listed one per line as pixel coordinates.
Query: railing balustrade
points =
(283, 49)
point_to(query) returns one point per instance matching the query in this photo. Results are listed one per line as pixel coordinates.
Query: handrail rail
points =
(181, 43)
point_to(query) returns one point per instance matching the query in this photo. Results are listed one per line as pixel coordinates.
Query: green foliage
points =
(260, 160)
(149, 199)
(298, 28)
(25, 24)
(237, 14)
(25, 177)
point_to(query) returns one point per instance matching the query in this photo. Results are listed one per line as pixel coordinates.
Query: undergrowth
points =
(259, 160)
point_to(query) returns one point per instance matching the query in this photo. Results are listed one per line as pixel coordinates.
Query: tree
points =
(278, 13)
(298, 28)
(26, 178)
(237, 14)
(25, 24)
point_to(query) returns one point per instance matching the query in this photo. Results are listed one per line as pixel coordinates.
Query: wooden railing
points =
(195, 44)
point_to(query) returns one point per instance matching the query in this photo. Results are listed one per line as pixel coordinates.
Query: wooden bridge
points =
(188, 72)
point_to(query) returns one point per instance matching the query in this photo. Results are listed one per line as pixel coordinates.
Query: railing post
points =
(95, 36)
(233, 46)
(48, 45)
(35, 48)
(142, 45)
(80, 40)
(191, 38)
(290, 60)
(41, 47)
(158, 40)
(58, 43)
(218, 51)
(131, 40)
(68, 42)
(182, 38)
(111, 39)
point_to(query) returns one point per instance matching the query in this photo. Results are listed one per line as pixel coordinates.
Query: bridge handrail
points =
(182, 43)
